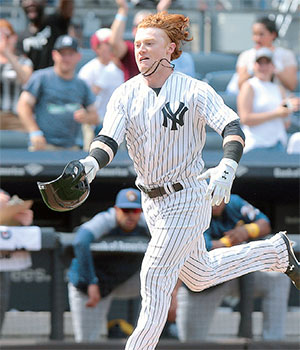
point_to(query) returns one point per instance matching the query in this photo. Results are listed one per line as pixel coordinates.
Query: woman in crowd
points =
(264, 34)
(263, 106)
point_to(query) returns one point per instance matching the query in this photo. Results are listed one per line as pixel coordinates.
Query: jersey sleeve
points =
(89, 97)
(115, 117)
(84, 271)
(101, 224)
(34, 85)
(212, 107)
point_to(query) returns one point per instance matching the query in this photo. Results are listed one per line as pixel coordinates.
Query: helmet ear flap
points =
(68, 191)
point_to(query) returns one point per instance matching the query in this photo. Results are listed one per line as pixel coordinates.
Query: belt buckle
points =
(144, 189)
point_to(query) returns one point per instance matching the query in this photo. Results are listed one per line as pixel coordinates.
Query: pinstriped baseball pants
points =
(177, 249)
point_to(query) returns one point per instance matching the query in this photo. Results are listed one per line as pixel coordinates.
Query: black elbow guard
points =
(233, 149)
(233, 128)
(103, 149)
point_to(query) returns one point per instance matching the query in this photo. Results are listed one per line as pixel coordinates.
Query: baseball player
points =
(162, 114)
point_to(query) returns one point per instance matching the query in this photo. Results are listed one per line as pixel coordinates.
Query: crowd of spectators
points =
(41, 94)
(31, 50)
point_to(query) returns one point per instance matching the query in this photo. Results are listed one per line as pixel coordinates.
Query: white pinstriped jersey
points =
(165, 134)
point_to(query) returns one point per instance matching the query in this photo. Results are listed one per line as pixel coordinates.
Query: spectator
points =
(96, 281)
(264, 33)
(124, 49)
(101, 74)
(233, 224)
(14, 212)
(15, 71)
(38, 39)
(263, 107)
(55, 102)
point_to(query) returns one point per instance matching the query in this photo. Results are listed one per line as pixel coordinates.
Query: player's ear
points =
(171, 48)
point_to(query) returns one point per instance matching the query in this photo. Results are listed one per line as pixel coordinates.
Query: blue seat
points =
(229, 100)
(219, 80)
(213, 140)
(13, 139)
(212, 62)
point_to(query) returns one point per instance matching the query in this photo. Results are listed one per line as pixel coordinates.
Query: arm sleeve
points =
(101, 224)
(208, 239)
(248, 211)
(212, 107)
(34, 84)
(81, 245)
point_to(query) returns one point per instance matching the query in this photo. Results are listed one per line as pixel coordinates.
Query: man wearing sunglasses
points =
(95, 280)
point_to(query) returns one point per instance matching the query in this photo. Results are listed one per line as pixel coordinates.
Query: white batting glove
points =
(91, 167)
(221, 179)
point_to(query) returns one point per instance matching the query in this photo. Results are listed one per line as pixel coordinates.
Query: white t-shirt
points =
(107, 77)
(282, 58)
(267, 97)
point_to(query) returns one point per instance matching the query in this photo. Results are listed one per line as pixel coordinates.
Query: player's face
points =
(151, 45)
(128, 218)
(261, 36)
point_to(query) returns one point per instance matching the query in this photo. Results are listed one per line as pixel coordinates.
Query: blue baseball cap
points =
(128, 198)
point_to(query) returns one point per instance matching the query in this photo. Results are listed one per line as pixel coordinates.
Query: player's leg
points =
(174, 222)
(274, 288)
(89, 323)
(195, 311)
(205, 269)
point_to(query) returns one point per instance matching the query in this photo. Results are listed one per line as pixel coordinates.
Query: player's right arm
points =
(25, 109)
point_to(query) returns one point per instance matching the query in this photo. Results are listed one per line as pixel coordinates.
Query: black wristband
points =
(103, 149)
(233, 150)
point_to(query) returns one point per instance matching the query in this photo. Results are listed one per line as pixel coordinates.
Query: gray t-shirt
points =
(57, 100)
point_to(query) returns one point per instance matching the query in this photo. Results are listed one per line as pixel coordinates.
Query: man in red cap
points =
(101, 73)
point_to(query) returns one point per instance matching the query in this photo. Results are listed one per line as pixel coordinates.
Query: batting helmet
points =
(68, 191)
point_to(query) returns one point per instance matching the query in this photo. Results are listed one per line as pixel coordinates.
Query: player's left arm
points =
(222, 176)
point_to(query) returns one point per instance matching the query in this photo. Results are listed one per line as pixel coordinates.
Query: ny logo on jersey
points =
(173, 116)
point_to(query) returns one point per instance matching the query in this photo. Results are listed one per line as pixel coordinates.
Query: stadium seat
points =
(219, 80)
(13, 139)
(229, 99)
(213, 140)
(212, 62)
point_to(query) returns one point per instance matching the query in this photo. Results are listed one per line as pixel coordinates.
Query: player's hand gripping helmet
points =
(68, 191)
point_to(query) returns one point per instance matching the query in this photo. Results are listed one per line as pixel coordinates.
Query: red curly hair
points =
(175, 26)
